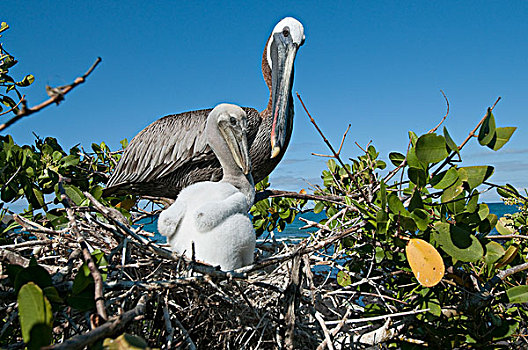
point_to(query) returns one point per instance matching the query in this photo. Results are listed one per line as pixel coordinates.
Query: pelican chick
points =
(213, 216)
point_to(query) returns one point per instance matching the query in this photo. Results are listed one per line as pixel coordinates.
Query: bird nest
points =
(283, 300)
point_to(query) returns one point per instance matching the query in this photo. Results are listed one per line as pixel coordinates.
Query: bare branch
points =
(113, 326)
(336, 155)
(445, 116)
(24, 111)
(15, 106)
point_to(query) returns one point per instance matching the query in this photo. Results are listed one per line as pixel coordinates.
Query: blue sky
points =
(378, 65)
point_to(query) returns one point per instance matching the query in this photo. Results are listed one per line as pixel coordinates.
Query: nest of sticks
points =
(281, 301)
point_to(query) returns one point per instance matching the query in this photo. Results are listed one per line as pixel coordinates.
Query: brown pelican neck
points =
(266, 73)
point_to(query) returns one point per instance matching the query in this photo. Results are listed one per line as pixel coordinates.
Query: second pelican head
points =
(226, 132)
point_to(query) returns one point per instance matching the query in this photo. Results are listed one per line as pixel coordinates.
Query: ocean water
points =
(293, 231)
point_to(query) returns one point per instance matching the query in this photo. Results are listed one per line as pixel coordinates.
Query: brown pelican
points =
(212, 217)
(172, 152)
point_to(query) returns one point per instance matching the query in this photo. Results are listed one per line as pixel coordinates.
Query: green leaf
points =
(445, 179)
(453, 191)
(371, 150)
(74, 194)
(380, 164)
(82, 280)
(483, 211)
(502, 135)
(28, 80)
(476, 175)
(413, 161)
(431, 148)
(488, 224)
(458, 243)
(70, 160)
(417, 176)
(332, 165)
(124, 143)
(506, 329)
(407, 223)
(285, 214)
(33, 309)
(416, 201)
(507, 191)
(8, 194)
(494, 251)
(343, 278)
(36, 274)
(319, 206)
(487, 129)
(413, 138)
(97, 192)
(52, 294)
(396, 206)
(9, 102)
(39, 198)
(56, 156)
(434, 307)
(472, 204)
(3, 26)
(450, 143)
(83, 301)
(396, 158)
(508, 257)
(381, 222)
(505, 226)
(379, 255)
(421, 218)
(41, 335)
(383, 195)
(458, 205)
(518, 294)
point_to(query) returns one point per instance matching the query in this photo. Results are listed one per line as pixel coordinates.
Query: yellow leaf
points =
(425, 261)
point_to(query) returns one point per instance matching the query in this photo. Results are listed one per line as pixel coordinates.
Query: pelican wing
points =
(163, 147)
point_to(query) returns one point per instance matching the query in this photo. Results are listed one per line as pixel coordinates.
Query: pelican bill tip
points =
(275, 151)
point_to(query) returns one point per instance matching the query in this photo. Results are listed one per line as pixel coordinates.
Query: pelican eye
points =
(286, 32)
(233, 121)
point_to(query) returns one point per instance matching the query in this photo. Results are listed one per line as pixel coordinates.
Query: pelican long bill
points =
(282, 52)
(238, 146)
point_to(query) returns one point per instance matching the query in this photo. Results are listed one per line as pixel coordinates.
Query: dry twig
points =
(25, 111)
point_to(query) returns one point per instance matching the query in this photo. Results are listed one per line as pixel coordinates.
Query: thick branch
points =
(503, 274)
(292, 296)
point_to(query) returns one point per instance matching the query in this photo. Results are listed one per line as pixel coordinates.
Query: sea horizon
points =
(293, 231)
